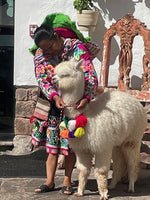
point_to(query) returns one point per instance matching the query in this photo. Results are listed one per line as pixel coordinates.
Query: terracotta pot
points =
(87, 20)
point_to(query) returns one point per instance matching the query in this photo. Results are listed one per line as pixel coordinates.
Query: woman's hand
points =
(58, 101)
(83, 102)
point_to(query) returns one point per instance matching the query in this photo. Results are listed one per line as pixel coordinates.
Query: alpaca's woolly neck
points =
(72, 99)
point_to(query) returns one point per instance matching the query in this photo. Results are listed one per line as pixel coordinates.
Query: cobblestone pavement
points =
(23, 188)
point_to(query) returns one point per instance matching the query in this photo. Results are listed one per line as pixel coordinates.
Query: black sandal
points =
(67, 189)
(45, 188)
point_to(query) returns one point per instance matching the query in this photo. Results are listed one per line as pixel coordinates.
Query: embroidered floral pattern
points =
(49, 137)
(44, 69)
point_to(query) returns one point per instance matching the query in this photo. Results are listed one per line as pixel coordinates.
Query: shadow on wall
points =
(136, 82)
(114, 10)
(98, 38)
(147, 3)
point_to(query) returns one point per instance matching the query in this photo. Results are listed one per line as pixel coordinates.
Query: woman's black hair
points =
(43, 32)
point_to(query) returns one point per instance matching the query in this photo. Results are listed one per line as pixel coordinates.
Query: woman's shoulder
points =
(72, 41)
(38, 52)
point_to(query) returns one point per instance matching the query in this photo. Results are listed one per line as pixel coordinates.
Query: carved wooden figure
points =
(127, 28)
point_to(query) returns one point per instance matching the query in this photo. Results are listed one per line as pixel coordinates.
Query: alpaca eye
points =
(64, 75)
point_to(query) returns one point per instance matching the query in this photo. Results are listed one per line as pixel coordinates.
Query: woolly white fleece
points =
(116, 124)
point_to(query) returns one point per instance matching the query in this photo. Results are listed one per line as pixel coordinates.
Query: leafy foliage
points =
(82, 4)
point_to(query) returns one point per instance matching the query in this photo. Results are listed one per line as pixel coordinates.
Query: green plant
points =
(82, 4)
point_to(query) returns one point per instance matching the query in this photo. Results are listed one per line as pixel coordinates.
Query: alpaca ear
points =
(79, 64)
(73, 59)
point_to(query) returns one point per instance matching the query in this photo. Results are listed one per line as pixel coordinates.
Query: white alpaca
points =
(116, 123)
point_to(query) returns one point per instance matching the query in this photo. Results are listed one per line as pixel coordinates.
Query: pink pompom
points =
(81, 121)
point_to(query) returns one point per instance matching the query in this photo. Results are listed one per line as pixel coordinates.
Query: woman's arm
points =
(91, 80)
(44, 72)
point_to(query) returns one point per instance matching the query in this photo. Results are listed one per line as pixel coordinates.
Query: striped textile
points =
(42, 109)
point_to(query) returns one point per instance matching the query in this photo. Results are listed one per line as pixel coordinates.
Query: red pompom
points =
(32, 119)
(81, 121)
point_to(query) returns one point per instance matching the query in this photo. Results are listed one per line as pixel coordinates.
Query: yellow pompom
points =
(62, 126)
(79, 132)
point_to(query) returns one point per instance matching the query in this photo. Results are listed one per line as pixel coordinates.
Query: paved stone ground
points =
(20, 175)
(17, 188)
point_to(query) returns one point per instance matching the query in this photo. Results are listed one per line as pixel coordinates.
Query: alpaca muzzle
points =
(55, 80)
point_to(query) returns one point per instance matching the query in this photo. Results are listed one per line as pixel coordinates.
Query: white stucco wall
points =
(34, 11)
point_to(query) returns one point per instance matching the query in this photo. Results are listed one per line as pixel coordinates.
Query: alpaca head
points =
(69, 75)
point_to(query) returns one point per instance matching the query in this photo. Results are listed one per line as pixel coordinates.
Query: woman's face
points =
(51, 47)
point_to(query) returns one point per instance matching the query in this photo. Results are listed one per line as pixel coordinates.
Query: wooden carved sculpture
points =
(146, 67)
(125, 56)
(126, 28)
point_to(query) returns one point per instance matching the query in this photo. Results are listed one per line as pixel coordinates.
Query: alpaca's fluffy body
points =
(116, 124)
(112, 118)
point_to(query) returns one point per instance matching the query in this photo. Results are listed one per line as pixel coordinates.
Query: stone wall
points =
(26, 98)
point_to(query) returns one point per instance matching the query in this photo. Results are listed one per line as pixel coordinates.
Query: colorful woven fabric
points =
(42, 109)
(66, 33)
(44, 68)
(49, 137)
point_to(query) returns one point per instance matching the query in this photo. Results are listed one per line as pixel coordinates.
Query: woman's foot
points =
(45, 188)
(67, 190)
